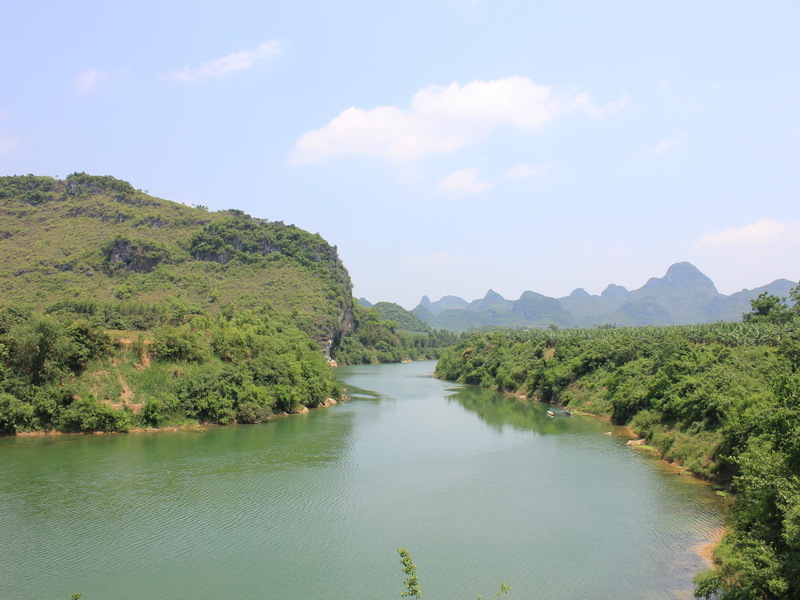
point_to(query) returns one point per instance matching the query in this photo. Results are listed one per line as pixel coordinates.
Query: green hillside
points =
(88, 243)
(387, 333)
(119, 310)
(404, 318)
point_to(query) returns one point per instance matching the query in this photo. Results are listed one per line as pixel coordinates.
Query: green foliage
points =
(768, 308)
(119, 315)
(82, 183)
(86, 414)
(411, 582)
(15, 415)
(405, 319)
(376, 340)
(41, 349)
(95, 246)
(721, 399)
(760, 555)
(182, 343)
(29, 189)
(69, 376)
(504, 589)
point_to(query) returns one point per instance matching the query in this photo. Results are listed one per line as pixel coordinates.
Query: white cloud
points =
(236, 61)
(527, 170)
(88, 81)
(462, 183)
(765, 232)
(669, 143)
(584, 102)
(442, 119)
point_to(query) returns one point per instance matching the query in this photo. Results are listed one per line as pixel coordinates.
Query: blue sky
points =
(444, 146)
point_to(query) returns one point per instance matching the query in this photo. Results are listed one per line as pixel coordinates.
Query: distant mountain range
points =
(683, 296)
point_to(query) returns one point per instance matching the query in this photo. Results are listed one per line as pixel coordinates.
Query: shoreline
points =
(704, 550)
(194, 427)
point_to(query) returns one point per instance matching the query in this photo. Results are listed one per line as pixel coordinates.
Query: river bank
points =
(479, 491)
(196, 427)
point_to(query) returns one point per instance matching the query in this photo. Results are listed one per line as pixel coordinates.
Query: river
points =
(480, 488)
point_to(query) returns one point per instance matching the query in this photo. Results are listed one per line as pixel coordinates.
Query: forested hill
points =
(120, 311)
(682, 296)
(87, 242)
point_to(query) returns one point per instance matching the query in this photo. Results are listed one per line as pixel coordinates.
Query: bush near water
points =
(69, 375)
(721, 399)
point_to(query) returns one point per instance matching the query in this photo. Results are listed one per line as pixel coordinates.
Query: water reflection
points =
(499, 411)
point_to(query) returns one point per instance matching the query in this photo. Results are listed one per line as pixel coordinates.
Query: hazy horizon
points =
(591, 292)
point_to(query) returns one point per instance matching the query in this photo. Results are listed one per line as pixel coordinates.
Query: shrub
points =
(86, 414)
(250, 412)
(15, 415)
(179, 343)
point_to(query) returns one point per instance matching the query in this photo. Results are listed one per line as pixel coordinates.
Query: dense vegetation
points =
(376, 339)
(96, 242)
(122, 310)
(73, 375)
(404, 318)
(722, 399)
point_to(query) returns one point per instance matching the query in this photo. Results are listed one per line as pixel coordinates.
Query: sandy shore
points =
(705, 550)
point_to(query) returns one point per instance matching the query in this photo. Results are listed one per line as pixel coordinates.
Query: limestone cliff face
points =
(347, 323)
(347, 320)
(139, 257)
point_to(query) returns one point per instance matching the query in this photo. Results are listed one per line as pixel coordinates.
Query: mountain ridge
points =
(684, 295)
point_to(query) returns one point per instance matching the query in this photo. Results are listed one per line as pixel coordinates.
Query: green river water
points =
(480, 488)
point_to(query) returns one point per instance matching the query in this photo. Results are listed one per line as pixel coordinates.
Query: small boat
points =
(558, 412)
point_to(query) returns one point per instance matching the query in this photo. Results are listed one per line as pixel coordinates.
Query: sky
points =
(446, 147)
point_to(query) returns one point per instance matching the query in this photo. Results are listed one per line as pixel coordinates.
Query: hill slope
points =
(90, 240)
(217, 311)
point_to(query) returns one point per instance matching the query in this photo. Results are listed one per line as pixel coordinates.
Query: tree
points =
(768, 307)
(41, 348)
